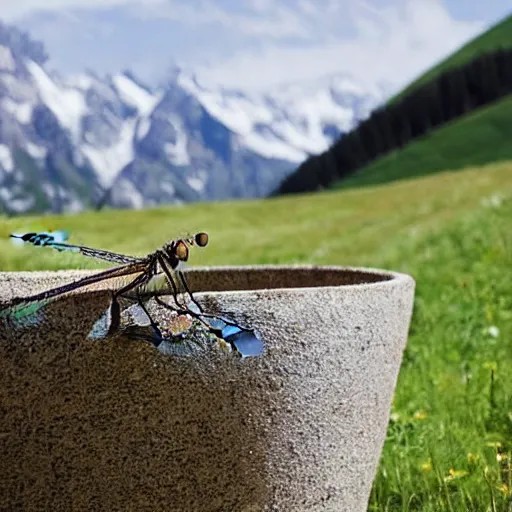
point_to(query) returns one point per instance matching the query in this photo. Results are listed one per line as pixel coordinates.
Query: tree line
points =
(451, 94)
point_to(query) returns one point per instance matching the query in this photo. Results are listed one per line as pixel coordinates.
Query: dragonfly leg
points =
(115, 315)
(154, 325)
(201, 316)
(138, 281)
(225, 320)
(185, 285)
(164, 261)
(163, 264)
(182, 311)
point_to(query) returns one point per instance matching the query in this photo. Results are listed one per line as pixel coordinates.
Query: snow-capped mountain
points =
(79, 142)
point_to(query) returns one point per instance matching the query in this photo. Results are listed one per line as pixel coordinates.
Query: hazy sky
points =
(254, 43)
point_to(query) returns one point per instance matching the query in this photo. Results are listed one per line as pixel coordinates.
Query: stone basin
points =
(117, 425)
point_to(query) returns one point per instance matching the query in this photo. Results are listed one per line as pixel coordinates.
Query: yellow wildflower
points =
(472, 458)
(420, 415)
(504, 489)
(427, 466)
(454, 474)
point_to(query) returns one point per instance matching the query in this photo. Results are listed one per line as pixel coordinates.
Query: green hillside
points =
(470, 137)
(479, 138)
(498, 36)
(449, 442)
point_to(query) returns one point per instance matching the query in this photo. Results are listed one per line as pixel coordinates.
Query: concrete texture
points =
(115, 425)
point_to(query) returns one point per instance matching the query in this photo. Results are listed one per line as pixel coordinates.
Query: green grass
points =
(498, 36)
(479, 138)
(450, 438)
(449, 443)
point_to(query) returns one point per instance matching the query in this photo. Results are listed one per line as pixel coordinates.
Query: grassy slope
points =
(476, 139)
(450, 231)
(499, 35)
(482, 137)
(449, 443)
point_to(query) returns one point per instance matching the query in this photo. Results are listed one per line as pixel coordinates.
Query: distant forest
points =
(449, 95)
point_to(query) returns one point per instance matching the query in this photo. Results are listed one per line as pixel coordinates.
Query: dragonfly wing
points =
(100, 254)
(44, 239)
(25, 303)
(26, 312)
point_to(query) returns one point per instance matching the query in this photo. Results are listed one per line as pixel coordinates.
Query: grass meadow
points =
(449, 444)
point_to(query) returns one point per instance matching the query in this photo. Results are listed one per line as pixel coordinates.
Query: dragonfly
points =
(146, 271)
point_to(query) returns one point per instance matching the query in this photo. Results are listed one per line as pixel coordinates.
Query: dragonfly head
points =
(178, 250)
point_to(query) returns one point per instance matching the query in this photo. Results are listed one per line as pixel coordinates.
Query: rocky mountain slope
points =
(72, 143)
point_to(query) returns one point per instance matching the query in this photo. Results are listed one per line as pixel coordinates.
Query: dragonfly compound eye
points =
(201, 239)
(181, 251)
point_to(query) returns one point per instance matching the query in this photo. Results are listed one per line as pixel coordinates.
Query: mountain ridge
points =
(83, 141)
